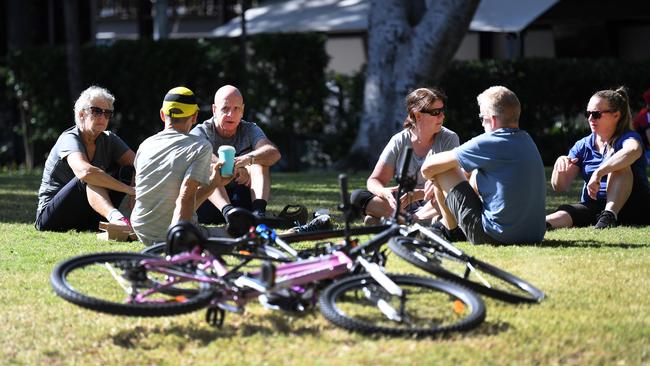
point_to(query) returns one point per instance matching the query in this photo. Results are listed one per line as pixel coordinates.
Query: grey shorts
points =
(467, 208)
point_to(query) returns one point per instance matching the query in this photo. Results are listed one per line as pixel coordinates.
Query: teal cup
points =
(227, 154)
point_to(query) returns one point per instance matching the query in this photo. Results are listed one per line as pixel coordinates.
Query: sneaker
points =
(371, 221)
(259, 213)
(606, 219)
(321, 222)
(124, 221)
(453, 235)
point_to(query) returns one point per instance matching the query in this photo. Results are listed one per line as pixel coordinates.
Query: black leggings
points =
(69, 209)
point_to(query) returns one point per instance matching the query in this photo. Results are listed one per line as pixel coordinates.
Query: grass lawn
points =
(597, 310)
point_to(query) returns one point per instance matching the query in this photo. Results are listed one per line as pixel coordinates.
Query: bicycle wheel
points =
(475, 274)
(117, 283)
(155, 249)
(428, 307)
(265, 252)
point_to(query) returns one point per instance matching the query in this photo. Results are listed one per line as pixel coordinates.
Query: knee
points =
(359, 199)
(623, 174)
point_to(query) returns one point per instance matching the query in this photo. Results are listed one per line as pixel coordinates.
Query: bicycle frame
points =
(296, 276)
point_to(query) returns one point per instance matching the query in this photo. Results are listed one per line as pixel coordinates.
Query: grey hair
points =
(92, 93)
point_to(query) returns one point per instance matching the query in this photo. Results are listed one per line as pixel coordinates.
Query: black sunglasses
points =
(434, 111)
(596, 114)
(96, 111)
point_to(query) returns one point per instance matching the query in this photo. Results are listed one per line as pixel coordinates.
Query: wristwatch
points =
(252, 159)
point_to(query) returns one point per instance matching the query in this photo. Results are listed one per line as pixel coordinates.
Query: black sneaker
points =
(606, 219)
(321, 222)
(453, 235)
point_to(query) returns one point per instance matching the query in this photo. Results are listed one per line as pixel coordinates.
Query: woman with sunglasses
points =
(88, 171)
(611, 162)
(424, 133)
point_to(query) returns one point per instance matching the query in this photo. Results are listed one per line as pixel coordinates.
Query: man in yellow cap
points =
(173, 173)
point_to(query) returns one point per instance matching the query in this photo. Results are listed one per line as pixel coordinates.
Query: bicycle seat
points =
(183, 236)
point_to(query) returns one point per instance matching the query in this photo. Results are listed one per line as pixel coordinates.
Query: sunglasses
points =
(97, 112)
(596, 114)
(434, 111)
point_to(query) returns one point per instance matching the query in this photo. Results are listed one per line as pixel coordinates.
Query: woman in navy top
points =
(612, 164)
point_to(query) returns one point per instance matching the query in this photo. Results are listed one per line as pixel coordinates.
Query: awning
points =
(351, 16)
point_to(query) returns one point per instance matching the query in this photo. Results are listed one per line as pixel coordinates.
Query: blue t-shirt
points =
(511, 182)
(589, 159)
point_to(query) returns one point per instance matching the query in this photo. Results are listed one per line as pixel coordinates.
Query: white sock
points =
(114, 216)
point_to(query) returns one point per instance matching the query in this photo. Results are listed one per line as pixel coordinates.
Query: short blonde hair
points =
(501, 102)
(92, 93)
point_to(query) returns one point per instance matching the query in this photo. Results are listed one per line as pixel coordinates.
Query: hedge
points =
(312, 116)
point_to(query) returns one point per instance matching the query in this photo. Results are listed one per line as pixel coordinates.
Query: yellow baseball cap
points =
(179, 102)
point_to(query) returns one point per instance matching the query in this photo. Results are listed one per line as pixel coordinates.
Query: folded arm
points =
(95, 176)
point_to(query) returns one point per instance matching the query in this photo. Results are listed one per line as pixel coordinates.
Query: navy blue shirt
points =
(589, 159)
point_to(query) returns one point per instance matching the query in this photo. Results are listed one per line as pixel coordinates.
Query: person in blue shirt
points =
(611, 162)
(507, 204)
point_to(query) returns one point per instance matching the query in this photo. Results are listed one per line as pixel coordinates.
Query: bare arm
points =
(93, 175)
(265, 153)
(204, 191)
(438, 163)
(127, 158)
(623, 158)
(185, 202)
(564, 173)
(379, 179)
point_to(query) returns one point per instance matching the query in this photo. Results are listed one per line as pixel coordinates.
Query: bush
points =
(311, 116)
(553, 94)
(139, 73)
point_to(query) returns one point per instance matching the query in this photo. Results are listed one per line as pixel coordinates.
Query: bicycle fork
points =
(387, 284)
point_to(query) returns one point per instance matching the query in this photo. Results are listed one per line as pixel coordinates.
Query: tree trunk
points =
(401, 56)
(73, 47)
(145, 21)
(243, 48)
(23, 31)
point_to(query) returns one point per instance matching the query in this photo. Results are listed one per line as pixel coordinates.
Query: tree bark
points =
(23, 31)
(73, 47)
(401, 56)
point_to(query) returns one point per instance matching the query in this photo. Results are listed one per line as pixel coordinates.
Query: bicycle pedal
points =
(215, 316)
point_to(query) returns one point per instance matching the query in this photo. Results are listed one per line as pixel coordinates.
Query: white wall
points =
(469, 47)
(347, 54)
(539, 43)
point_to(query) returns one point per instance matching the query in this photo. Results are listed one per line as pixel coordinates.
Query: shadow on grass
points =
(150, 338)
(490, 328)
(181, 336)
(554, 243)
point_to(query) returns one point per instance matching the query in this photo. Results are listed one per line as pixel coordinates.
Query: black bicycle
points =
(428, 251)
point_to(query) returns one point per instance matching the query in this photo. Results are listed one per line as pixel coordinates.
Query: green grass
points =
(597, 310)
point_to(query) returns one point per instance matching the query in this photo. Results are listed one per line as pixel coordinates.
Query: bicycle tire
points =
(155, 249)
(267, 252)
(485, 278)
(82, 281)
(443, 307)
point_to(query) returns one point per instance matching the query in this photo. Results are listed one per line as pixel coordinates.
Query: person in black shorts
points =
(611, 162)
